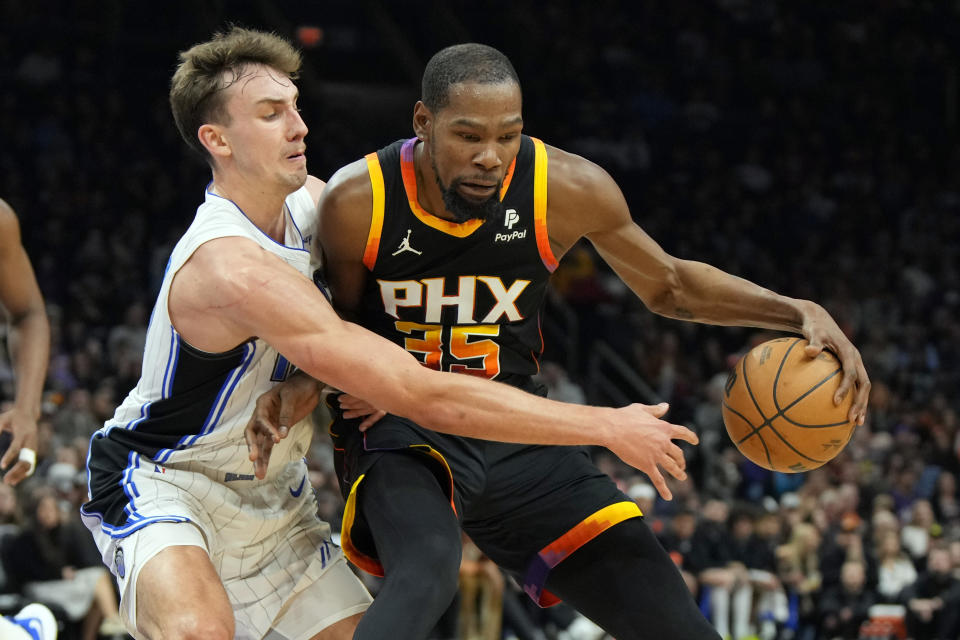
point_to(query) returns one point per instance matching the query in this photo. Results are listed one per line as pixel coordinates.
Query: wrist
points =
(29, 409)
(606, 430)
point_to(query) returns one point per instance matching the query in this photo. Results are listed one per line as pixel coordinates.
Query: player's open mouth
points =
(297, 156)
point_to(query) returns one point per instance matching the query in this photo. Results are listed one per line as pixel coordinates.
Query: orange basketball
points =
(778, 407)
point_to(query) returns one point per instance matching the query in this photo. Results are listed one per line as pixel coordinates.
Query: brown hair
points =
(206, 69)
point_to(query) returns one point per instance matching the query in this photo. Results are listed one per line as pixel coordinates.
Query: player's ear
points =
(212, 138)
(422, 120)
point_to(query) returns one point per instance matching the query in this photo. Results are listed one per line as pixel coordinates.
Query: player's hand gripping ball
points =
(778, 407)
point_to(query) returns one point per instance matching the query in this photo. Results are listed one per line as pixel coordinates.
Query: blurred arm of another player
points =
(584, 201)
(29, 346)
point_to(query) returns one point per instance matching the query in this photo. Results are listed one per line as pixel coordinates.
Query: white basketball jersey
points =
(190, 407)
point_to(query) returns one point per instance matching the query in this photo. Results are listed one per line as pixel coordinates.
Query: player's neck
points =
(263, 208)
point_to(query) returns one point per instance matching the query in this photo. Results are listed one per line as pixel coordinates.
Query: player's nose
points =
(487, 158)
(298, 128)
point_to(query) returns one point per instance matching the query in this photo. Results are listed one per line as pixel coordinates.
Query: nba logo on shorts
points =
(511, 218)
(118, 563)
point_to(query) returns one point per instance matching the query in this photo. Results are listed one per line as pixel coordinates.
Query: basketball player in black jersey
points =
(444, 243)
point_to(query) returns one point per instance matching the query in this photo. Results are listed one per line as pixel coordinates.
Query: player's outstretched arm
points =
(231, 289)
(684, 289)
(29, 346)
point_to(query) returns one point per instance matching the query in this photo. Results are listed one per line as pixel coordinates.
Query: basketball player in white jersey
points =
(201, 547)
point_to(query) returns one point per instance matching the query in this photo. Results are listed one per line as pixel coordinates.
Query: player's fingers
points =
(285, 415)
(674, 469)
(253, 447)
(263, 413)
(372, 419)
(676, 453)
(661, 485)
(19, 471)
(13, 450)
(683, 433)
(814, 347)
(349, 401)
(656, 410)
(858, 412)
(849, 364)
(263, 460)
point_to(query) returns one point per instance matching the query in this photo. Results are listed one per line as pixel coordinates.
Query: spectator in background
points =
(54, 561)
(946, 507)
(678, 542)
(10, 515)
(20, 298)
(722, 580)
(798, 567)
(933, 602)
(842, 543)
(644, 494)
(895, 570)
(915, 535)
(771, 606)
(844, 607)
(559, 385)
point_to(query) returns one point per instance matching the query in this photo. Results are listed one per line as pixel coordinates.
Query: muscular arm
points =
(231, 289)
(677, 288)
(29, 344)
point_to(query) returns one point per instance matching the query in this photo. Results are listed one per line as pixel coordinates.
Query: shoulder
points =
(575, 186)
(315, 188)
(348, 197)
(573, 176)
(349, 183)
(226, 267)
(346, 212)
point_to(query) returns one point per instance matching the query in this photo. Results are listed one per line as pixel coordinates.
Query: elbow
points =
(668, 297)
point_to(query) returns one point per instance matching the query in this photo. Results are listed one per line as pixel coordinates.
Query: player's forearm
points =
(703, 293)
(374, 369)
(466, 406)
(30, 349)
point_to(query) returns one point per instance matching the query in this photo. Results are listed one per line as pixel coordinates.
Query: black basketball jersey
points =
(463, 297)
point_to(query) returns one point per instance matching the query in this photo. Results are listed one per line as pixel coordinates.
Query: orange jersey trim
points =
(436, 455)
(367, 563)
(558, 550)
(540, 205)
(376, 218)
(409, 174)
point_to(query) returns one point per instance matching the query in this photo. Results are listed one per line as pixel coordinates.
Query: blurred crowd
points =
(809, 147)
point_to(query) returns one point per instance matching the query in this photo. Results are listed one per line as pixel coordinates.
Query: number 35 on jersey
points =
(469, 346)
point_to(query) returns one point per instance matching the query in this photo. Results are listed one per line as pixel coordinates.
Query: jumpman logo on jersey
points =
(405, 245)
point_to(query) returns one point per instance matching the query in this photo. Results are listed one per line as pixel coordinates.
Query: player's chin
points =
(298, 178)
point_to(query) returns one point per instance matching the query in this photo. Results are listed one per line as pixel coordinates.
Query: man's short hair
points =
(469, 62)
(206, 69)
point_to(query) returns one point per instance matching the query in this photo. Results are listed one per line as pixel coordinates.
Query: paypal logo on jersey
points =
(510, 218)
